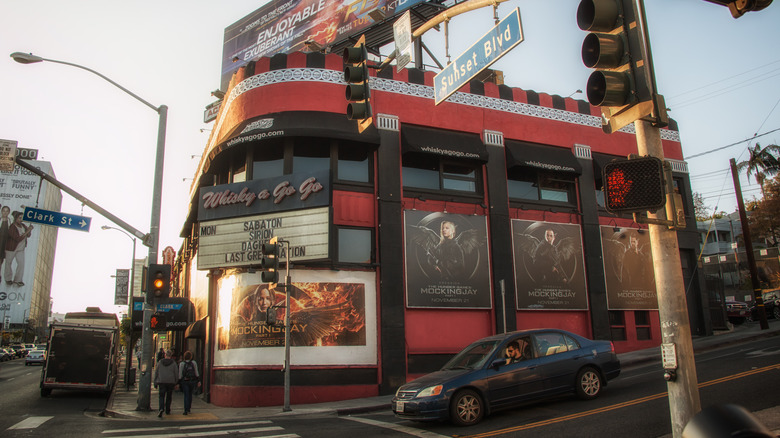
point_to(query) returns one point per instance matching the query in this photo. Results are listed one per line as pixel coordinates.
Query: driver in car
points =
(517, 350)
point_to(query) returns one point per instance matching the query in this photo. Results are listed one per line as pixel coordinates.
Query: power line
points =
(732, 144)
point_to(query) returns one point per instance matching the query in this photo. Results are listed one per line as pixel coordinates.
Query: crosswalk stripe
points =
(208, 433)
(396, 427)
(197, 426)
(30, 423)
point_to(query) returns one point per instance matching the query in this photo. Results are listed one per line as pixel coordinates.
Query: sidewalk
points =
(122, 402)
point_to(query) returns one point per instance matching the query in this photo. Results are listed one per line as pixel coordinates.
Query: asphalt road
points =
(635, 405)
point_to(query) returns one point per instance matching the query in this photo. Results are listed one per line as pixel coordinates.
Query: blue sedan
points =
(505, 370)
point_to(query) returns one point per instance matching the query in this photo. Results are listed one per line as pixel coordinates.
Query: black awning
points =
(301, 124)
(196, 330)
(446, 144)
(550, 158)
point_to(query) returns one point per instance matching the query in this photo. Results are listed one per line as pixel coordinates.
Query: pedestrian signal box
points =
(634, 185)
(158, 322)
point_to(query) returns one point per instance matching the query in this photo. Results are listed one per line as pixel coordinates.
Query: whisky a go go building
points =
(436, 226)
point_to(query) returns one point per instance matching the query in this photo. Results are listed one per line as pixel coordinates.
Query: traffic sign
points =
(496, 43)
(57, 219)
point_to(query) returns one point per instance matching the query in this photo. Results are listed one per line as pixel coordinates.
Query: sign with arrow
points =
(57, 219)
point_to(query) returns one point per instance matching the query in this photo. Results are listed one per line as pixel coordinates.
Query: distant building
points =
(25, 289)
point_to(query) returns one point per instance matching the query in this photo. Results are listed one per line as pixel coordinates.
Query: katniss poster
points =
(447, 262)
(549, 266)
(628, 268)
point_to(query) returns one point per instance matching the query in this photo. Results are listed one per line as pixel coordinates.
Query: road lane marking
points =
(30, 423)
(617, 406)
(396, 427)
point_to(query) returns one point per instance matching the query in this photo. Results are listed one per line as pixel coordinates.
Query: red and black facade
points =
(503, 167)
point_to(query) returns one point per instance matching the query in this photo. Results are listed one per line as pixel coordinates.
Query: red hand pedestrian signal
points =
(636, 185)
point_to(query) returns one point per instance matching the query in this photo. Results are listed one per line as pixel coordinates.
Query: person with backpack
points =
(190, 379)
(166, 376)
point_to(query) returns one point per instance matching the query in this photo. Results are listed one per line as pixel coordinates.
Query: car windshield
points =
(473, 356)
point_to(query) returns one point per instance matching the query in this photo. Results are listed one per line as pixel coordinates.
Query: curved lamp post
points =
(145, 382)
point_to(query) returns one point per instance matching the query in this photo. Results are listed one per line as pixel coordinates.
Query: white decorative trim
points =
(387, 122)
(582, 151)
(417, 90)
(678, 166)
(493, 138)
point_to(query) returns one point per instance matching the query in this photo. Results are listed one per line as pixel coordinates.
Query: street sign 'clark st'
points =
(57, 219)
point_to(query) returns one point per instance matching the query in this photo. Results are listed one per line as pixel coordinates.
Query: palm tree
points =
(763, 163)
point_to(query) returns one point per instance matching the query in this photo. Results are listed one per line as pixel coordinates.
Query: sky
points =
(720, 77)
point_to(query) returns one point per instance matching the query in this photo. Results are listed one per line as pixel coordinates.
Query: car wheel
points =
(588, 383)
(750, 318)
(45, 392)
(776, 312)
(466, 408)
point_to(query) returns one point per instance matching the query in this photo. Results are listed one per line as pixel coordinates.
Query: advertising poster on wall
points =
(628, 269)
(19, 239)
(283, 26)
(327, 312)
(447, 264)
(549, 266)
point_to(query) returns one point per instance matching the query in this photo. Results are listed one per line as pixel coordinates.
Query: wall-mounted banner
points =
(549, 266)
(283, 193)
(332, 316)
(178, 313)
(447, 264)
(490, 48)
(122, 283)
(628, 268)
(236, 242)
(282, 26)
(20, 189)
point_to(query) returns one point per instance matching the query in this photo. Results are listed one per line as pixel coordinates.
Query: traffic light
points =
(615, 48)
(270, 262)
(158, 322)
(738, 8)
(634, 185)
(158, 282)
(357, 91)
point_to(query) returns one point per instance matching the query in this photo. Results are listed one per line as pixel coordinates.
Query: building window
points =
(354, 163)
(430, 173)
(268, 161)
(354, 245)
(528, 184)
(642, 321)
(617, 325)
(311, 155)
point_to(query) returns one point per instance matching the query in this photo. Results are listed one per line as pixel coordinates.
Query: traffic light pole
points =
(682, 385)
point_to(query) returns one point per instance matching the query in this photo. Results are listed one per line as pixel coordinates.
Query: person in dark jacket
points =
(166, 376)
(190, 379)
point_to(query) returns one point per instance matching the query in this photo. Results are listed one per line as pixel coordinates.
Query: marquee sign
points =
(282, 193)
(236, 242)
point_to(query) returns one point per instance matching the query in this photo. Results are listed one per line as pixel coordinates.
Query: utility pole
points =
(683, 389)
(751, 258)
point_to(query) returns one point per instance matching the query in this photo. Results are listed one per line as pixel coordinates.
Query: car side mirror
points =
(497, 363)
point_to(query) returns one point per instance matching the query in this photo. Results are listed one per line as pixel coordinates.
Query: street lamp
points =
(145, 382)
(129, 358)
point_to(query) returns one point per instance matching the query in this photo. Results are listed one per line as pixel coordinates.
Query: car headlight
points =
(430, 391)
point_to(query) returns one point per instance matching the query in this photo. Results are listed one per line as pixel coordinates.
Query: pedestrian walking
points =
(166, 376)
(190, 379)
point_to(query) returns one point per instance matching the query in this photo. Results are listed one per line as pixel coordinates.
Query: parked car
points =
(482, 378)
(771, 306)
(7, 354)
(737, 311)
(19, 350)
